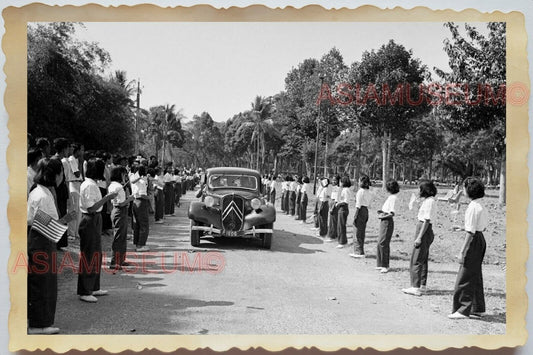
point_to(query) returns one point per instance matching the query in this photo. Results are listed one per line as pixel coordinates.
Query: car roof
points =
(232, 170)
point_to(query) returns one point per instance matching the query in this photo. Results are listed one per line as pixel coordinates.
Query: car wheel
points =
(195, 235)
(266, 238)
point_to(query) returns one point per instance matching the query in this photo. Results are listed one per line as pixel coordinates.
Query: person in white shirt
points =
(91, 203)
(119, 217)
(139, 190)
(362, 201)
(292, 195)
(159, 195)
(273, 187)
(333, 209)
(42, 279)
(177, 188)
(34, 155)
(285, 195)
(386, 226)
(304, 199)
(73, 179)
(468, 296)
(342, 202)
(423, 238)
(298, 191)
(323, 208)
(168, 178)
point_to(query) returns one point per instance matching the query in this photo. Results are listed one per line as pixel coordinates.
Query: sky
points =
(220, 67)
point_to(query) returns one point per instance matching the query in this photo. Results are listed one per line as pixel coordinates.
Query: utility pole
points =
(137, 117)
(318, 132)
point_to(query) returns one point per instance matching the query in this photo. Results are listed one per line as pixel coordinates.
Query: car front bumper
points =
(249, 233)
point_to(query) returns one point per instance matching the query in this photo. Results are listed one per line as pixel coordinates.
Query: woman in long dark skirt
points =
(42, 279)
(91, 203)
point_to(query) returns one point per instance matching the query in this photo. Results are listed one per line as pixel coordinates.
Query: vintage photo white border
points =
(517, 203)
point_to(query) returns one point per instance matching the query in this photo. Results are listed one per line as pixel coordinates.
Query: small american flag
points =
(48, 226)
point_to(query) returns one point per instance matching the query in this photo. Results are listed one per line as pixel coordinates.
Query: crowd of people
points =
(93, 193)
(332, 203)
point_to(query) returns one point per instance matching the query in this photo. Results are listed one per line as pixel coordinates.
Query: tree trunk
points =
(502, 192)
(430, 167)
(163, 154)
(358, 164)
(385, 149)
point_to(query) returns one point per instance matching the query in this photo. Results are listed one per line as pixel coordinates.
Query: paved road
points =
(301, 286)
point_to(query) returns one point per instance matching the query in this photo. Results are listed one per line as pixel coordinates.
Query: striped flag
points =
(48, 226)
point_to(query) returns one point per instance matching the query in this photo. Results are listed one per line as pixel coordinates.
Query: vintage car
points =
(231, 205)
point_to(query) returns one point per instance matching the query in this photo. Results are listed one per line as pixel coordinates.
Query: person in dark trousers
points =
(298, 197)
(119, 217)
(304, 200)
(90, 230)
(273, 185)
(362, 201)
(42, 279)
(292, 196)
(159, 185)
(386, 227)
(177, 188)
(333, 211)
(323, 208)
(139, 186)
(423, 238)
(285, 194)
(62, 146)
(468, 296)
(343, 200)
(169, 191)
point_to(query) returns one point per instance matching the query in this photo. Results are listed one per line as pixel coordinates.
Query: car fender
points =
(199, 212)
(266, 214)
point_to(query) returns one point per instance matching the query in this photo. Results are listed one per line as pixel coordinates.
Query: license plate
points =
(231, 233)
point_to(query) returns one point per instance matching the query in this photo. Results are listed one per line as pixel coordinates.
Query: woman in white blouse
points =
(362, 201)
(42, 280)
(468, 297)
(323, 208)
(304, 199)
(298, 197)
(343, 199)
(386, 226)
(423, 238)
(91, 203)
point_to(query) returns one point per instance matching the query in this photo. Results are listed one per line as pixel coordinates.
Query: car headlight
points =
(209, 201)
(255, 203)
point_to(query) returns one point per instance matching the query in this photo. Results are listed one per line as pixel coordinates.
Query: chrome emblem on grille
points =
(233, 212)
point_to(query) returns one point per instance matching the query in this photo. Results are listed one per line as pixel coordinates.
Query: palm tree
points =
(166, 128)
(259, 119)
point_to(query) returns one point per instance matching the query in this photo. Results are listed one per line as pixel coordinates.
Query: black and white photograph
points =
(267, 178)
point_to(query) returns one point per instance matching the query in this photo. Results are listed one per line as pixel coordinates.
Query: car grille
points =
(232, 212)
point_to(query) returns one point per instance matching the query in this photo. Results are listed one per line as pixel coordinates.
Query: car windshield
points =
(218, 181)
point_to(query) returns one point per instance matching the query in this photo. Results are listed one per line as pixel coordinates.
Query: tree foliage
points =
(68, 95)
